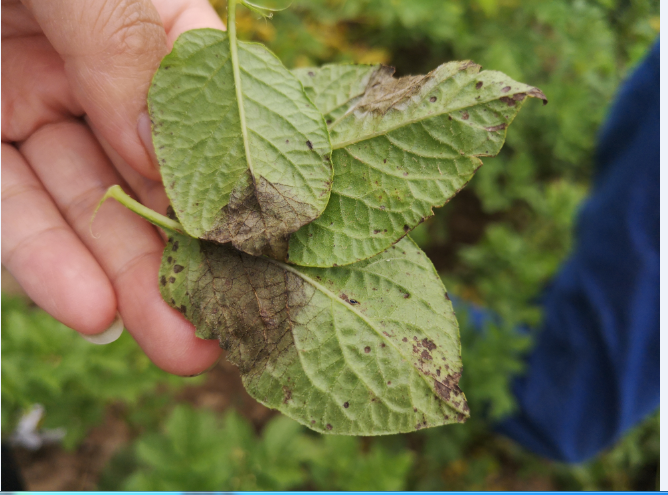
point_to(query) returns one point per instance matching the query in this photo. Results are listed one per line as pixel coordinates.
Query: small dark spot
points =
(418, 426)
(367, 349)
(353, 302)
(389, 383)
(478, 85)
(385, 160)
(405, 174)
(169, 259)
(166, 67)
(449, 117)
(505, 89)
(383, 344)
(415, 409)
(376, 231)
(311, 73)
(309, 144)
(404, 339)
(183, 309)
(329, 121)
(175, 246)
(178, 268)
(329, 427)
(172, 280)
(385, 230)
(415, 337)
(346, 405)
(344, 297)
(438, 372)
(407, 295)
(465, 115)
(170, 239)
(425, 355)
(313, 421)
(447, 296)
(172, 302)
(287, 141)
(163, 280)
(519, 96)
(406, 228)
(432, 99)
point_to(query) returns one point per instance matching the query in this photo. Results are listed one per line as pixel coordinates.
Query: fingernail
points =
(110, 335)
(144, 129)
(215, 363)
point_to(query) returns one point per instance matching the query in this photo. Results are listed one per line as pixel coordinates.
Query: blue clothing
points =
(594, 371)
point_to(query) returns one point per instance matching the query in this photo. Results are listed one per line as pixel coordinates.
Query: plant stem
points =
(232, 33)
(155, 218)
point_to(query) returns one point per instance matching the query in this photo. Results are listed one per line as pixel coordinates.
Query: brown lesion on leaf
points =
(287, 394)
(383, 92)
(448, 390)
(259, 218)
(495, 128)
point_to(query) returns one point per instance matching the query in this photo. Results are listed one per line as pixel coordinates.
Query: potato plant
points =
(292, 195)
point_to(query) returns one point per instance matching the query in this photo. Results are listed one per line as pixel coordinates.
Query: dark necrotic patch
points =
(432, 99)
(329, 427)
(172, 280)
(346, 405)
(478, 85)
(309, 144)
(178, 268)
(163, 280)
(367, 349)
(175, 246)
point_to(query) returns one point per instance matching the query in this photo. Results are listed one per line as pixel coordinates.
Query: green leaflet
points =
(251, 193)
(367, 349)
(400, 148)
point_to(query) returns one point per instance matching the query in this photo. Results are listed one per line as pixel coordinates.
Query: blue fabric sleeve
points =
(594, 371)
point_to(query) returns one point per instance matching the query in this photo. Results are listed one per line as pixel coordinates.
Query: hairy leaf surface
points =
(367, 349)
(252, 196)
(400, 148)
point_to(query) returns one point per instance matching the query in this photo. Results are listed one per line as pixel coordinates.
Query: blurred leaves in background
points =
(496, 245)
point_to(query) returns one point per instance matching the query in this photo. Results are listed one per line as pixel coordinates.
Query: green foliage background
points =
(496, 244)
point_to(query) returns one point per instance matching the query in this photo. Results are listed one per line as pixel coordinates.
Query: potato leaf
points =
(367, 349)
(400, 148)
(246, 170)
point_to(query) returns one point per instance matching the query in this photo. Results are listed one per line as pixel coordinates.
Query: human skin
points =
(75, 76)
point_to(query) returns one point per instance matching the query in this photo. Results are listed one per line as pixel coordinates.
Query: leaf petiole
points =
(155, 218)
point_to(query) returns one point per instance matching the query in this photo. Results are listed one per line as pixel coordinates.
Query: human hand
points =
(63, 60)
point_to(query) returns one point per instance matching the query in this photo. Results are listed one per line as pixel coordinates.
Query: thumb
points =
(111, 50)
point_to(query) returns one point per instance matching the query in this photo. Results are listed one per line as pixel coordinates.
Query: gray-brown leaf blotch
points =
(368, 349)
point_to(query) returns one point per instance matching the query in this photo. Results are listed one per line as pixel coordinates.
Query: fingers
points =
(45, 255)
(111, 50)
(179, 16)
(35, 90)
(73, 168)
